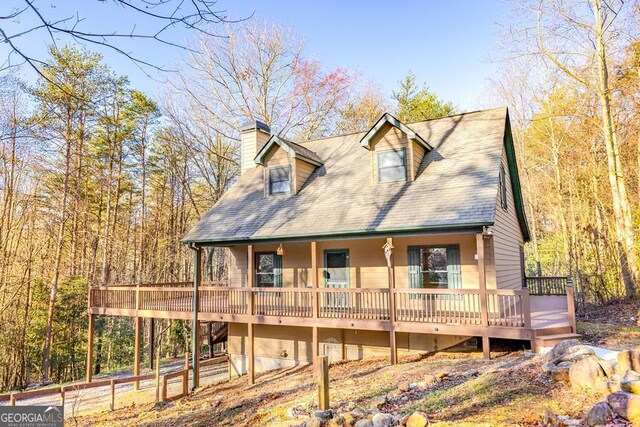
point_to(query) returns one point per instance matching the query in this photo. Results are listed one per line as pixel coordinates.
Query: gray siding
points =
(507, 239)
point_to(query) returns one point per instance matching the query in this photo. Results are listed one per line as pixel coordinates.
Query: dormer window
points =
(392, 165)
(280, 180)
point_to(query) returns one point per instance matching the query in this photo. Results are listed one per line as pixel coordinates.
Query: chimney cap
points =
(255, 125)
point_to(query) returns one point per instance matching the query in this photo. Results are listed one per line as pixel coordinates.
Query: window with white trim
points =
(280, 180)
(392, 165)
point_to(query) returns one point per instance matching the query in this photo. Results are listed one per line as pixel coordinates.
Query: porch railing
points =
(546, 285)
(509, 308)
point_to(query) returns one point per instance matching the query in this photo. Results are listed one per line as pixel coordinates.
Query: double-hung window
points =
(435, 267)
(392, 165)
(268, 272)
(279, 180)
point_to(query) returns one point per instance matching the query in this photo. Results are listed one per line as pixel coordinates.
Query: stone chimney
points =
(255, 135)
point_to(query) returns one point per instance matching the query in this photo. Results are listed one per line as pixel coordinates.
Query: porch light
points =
(280, 250)
(487, 232)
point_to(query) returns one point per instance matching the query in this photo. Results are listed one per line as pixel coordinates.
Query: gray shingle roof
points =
(456, 187)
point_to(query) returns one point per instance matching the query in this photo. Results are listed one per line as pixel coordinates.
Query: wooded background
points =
(98, 181)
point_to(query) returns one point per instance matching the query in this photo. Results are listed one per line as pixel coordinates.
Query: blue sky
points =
(445, 43)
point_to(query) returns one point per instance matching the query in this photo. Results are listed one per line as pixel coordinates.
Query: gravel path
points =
(94, 400)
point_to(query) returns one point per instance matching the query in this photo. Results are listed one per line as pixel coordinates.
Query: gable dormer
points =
(396, 150)
(287, 166)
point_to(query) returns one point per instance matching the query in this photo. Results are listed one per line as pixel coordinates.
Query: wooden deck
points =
(443, 311)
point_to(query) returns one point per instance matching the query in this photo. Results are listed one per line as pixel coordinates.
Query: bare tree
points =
(160, 19)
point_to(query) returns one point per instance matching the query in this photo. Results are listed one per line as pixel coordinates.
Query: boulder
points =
(608, 367)
(472, 373)
(557, 371)
(363, 423)
(585, 373)
(336, 422)
(357, 413)
(380, 401)
(430, 380)
(383, 420)
(349, 420)
(442, 375)
(313, 422)
(630, 382)
(417, 419)
(403, 386)
(561, 348)
(628, 360)
(600, 414)
(323, 415)
(575, 353)
(627, 405)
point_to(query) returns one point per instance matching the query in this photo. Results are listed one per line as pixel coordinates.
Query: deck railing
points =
(507, 308)
(546, 285)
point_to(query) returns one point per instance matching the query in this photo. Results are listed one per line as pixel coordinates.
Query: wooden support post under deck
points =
(251, 311)
(482, 281)
(136, 351)
(210, 338)
(195, 342)
(315, 303)
(392, 301)
(152, 338)
(90, 333)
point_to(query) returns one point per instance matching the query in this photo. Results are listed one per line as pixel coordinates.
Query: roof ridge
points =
(409, 123)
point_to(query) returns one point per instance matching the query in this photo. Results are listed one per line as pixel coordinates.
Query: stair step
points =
(557, 330)
(551, 340)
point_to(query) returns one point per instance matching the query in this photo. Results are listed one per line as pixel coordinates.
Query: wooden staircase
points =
(548, 337)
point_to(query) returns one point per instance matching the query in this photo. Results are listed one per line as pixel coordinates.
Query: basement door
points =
(336, 276)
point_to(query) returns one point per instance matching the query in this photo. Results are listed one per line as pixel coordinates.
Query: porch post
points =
(136, 350)
(152, 337)
(388, 251)
(315, 304)
(482, 281)
(250, 284)
(90, 333)
(195, 333)
(571, 304)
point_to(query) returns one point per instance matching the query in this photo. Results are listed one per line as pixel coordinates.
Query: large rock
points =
(363, 423)
(628, 360)
(575, 353)
(585, 373)
(600, 414)
(313, 422)
(557, 371)
(627, 405)
(403, 386)
(383, 420)
(561, 348)
(630, 382)
(417, 419)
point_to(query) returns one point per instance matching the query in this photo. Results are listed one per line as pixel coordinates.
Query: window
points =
(392, 166)
(502, 185)
(268, 270)
(435, 267)
(280, 180)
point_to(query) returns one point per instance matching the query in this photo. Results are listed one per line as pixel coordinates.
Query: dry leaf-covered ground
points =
(509, 390)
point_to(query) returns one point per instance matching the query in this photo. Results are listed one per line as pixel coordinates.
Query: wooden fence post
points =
(62, 397)
(185, 377)
(158, 375)
(322, 362)
(112, 386)
(12, 400)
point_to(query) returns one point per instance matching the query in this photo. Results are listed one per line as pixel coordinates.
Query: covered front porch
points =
(386, 303)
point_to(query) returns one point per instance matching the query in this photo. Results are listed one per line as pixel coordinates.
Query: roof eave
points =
(340, 235)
